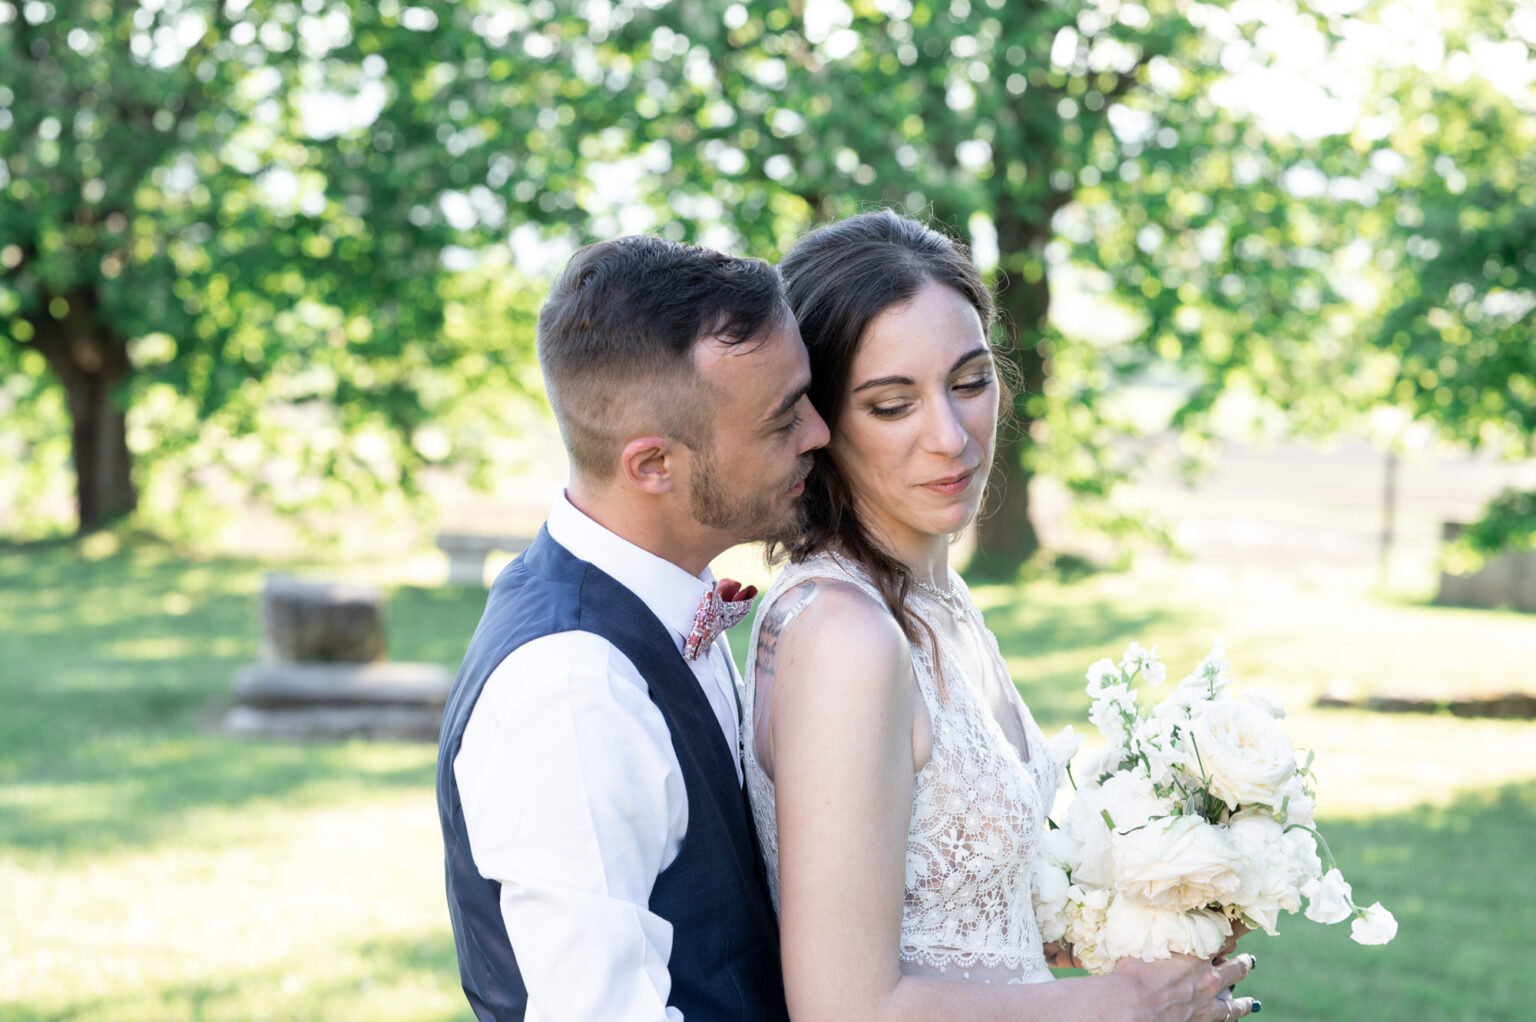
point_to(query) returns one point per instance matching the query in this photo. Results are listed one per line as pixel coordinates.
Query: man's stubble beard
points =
(748, 520)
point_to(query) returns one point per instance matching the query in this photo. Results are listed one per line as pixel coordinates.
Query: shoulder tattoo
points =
(783, 611)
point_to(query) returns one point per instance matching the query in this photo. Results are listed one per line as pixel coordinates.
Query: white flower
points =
(1293, 802)
(1155, 738)
(1114, 707)
(1128, 801)
(1373, 926)
(1212, 674)
(1102, 673)
(1182, 705)
(1269, 703)
(1328, 899)
(1272, 874)
(1062, 748)
(1133, 928)
(1085, 925)
(1180, 862)
(1145, 661)
(1243, 750)
(1049, 885)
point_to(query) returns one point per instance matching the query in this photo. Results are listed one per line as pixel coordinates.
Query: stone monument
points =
(323, 674)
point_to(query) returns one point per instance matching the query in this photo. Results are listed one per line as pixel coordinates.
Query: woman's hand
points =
(1238, 931)
(1185, 989)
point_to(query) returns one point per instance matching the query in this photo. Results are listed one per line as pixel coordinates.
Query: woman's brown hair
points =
(839, 278)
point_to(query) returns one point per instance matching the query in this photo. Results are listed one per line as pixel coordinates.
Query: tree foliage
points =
(1458, 317)
(1080, 132)
(249, 224)
(225, 230)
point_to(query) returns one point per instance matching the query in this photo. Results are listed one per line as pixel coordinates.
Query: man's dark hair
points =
(616, 338)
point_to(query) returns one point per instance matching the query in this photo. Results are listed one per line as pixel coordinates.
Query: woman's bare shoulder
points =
(830, 629)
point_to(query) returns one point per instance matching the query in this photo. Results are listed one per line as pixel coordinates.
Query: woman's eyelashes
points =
(968, 386)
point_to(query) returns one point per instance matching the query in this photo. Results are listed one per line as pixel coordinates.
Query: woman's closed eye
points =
(974, 384)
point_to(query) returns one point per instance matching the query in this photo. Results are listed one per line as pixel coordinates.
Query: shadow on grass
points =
(1458, 880)
(405, 977)
(114, 671)
(1459, 883)
(1063, 631)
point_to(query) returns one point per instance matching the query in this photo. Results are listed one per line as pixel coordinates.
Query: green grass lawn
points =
(154, 869)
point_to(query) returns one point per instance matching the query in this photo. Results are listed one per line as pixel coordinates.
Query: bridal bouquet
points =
(1196, 815)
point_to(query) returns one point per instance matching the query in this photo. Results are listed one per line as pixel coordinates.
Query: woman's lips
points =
(950, 485)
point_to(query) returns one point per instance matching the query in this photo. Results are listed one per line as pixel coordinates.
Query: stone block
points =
(320, 622)
(467, 552)
(308, 723)
(376, 684)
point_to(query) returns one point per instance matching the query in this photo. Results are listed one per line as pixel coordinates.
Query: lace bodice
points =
(979, 804)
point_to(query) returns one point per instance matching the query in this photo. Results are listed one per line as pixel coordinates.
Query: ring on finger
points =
(1228, 1016)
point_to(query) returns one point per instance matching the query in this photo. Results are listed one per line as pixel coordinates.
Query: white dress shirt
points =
(574, 800)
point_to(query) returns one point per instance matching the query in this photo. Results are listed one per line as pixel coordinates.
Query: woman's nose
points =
(944, 434)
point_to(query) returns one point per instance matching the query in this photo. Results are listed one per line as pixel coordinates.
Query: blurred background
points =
(269, 274)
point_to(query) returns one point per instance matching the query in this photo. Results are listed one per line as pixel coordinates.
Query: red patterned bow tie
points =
(723, 606)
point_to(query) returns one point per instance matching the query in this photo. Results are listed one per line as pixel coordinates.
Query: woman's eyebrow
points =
(907, 381)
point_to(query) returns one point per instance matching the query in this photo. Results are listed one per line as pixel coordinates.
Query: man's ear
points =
(648, 464)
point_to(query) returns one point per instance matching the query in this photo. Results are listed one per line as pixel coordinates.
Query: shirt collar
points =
(671, 593)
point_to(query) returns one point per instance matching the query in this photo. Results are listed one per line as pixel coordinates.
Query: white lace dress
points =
(978, 808)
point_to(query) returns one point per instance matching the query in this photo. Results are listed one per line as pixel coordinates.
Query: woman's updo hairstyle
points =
(838, 279)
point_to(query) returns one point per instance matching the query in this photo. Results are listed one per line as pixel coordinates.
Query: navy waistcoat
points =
(725, 947)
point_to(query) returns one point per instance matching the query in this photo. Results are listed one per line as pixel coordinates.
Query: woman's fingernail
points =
(1253, 963)
(1258, 1006)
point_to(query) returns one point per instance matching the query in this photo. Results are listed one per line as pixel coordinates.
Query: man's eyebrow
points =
(907, 381)
(789, 402)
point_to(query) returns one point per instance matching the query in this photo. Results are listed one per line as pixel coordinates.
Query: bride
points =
(899, 783)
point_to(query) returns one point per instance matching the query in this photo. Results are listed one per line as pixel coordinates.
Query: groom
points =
(600, 858)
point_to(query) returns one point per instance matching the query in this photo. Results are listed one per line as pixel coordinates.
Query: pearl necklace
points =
(945, 596)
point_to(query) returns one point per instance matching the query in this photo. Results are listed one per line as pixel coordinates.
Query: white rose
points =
(1180, 862)
(1083, 843)
(1328, 899)
(1375, 926)
(1133, 928)
(1087, 841)
(1244, 751)
(1059, 847)
(1128, 800)
(1271, 880)
(1049, 885)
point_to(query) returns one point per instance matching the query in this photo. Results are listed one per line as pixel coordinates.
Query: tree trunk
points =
(1006, 537)
(92, 364)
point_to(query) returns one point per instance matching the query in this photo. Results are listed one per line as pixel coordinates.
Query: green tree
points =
(1455, 338)
(1083, 130)
(1458, 322)
(227, 220)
